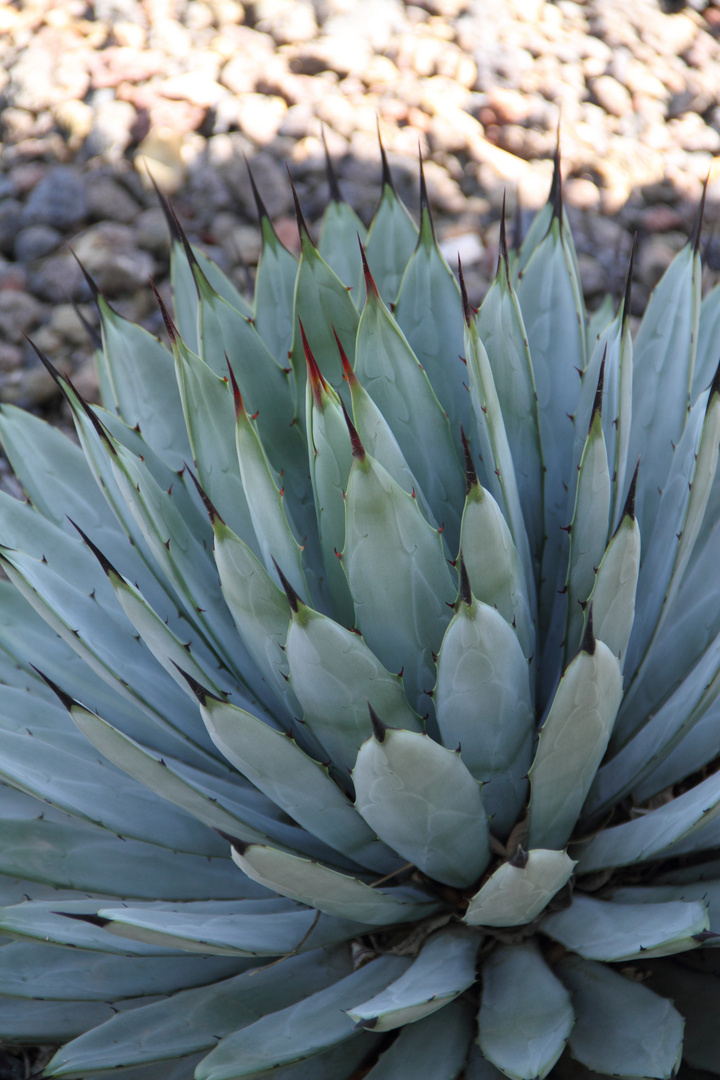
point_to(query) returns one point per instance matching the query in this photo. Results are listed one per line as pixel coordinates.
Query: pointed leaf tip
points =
(293, 599)
(172, 331)
(301, 223)
(348, 372)
(697, 227)
(358, 450)
(317, 382)
(629, 509)
(517, 223)
(465, 590)
(588, 641)
(240, 410)
(235, 842)
(597, 403)
(520, 859)
(332, 178)
(96, 294)
(92, 333)
(369, 281)
(555, 197)
(64, 698)
(425, 214)
(259, 204)
(200, 692)
(467, 310)
(54, 373)
(367, 1025)
(627, 296)
(104, 562)
(45, 361)
(170, 218)
(387, 180)
(704, 935)
(92, 920)
(94, 420)
(379, 729)
(503, 259)
(180, 234)
(471, 477)
(213, 513)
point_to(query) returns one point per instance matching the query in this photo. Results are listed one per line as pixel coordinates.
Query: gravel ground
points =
(93, 94)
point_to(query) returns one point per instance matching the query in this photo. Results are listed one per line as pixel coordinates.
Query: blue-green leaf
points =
(193, 1020)
(434, 1048)
(443, 969)
(275, 764)
(398, 576)
(274, 294)
(643, 837)
(573, 740)
(391, 240)
(345, 897)
(621, 1027)
(429, 312)
(392, 374)
(298, 1031)
(525, 1013)
(663, 363)
(334, 675)
(340, 231)
(502, 332)
(493, 565)
(484, 706)
(424, 803)
(612, 931)
(520, 889)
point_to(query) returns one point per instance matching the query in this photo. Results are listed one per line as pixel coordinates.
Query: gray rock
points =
(35, 241)
(593, 277)
(109, 254)
(29, 387)
(67, 325)
(18, 311)
(57, 278)
(12, 276)
(10, 357)
(109, 201)
(151, 232)
(711, 253)
(7, 187)
(655, 255)
(111, 132)
(10, 210)
(58, 200)
(298, 121)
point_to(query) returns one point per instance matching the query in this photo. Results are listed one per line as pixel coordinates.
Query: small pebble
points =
(35, 241)
(57, 200)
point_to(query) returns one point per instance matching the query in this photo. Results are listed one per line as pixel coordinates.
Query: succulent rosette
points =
(359, 710)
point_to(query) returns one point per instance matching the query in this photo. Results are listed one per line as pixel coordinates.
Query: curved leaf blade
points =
(424, 803)
(525, 1015)
(443, 969)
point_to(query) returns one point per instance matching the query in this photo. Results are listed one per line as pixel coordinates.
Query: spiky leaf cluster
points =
(359, 702)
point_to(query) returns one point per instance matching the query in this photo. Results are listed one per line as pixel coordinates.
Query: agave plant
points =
(346, 730)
